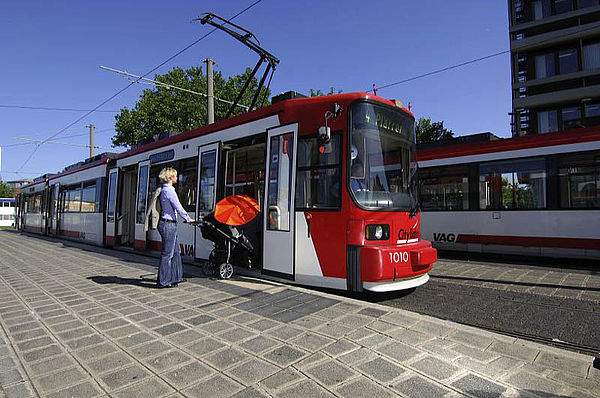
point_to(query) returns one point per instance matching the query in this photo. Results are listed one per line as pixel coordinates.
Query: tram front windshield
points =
(382, 165)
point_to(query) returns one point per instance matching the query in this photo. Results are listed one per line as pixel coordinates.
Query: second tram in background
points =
(335, 178)
(534, 195)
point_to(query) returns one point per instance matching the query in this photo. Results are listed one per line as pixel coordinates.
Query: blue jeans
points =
(170, 269)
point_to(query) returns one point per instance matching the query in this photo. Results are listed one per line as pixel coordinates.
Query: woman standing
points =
(170, 269)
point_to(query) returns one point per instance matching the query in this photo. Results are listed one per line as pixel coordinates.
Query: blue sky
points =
(51, 53)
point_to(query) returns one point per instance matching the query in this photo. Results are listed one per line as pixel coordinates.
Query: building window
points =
(568, 61)
(592, 114)
(562, 6)
(579, 181)
(444, 188)
(319, 174)
(547, 121)
(544, 66)
(571, 118)
(514, 184)
(541, 9)
(587, 3)
(591, 56)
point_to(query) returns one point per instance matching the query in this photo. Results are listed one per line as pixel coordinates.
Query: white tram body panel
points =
(453, 218)
(87, 224)
(192, 245)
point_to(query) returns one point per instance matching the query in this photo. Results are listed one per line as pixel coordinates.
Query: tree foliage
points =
(161, 109)
(5, 191)
(428, 131)
(319, 92)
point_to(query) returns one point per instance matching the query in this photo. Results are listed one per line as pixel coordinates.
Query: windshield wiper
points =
(412, 191)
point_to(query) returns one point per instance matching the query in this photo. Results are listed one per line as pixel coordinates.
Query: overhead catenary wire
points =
(44, 108)
(131, 83)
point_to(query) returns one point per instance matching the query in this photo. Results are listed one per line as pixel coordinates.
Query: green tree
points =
(163, 109)
(319, 92)
(5, 191)
(428, 131)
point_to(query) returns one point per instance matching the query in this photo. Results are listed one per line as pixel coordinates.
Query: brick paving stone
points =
(122, 377)
(563, 362)
(305, 388)
(330, 373)
(97, 351)
(263, 325)
(282, 379)
(381, 369)
(357, 356)
(252, 371)
(85, 342)
(225, 358)
(215, 387)
(83, 390)
(540, 385)
(149, 349)
(186, 337)
(151, 387)
(59, 380)
(31, 334)
(435, 368)
(514, 350)
(135, 339)
(311, 342)
(167, 361)
(169, 329)
(258, 344)
(236, 335)
(471, 339)
(50, 365)
(205, 346)
(200, 320)
(398, 351)
(418, 387)
(216, 326)
(109, 363)
(74, 334)
(188, 374)
(35, 343)
(20, 390)
(128, 330)
(42, 353)
(9, 377)
(250, 392)
(479, 387)
(285, 332)
(476, 353)
(340, 347)
(363, 388)
(284, 355)
(155, 322)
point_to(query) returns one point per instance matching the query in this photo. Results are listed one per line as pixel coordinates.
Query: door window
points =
(112, 198)
(280, 175)
(142, 195)
(207, 181)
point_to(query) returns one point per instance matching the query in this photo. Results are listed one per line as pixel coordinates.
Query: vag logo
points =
(186, 250)
(443, 237)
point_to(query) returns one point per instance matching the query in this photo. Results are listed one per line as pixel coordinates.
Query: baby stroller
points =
(231, 245)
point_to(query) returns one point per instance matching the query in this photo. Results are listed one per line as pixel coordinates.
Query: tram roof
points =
(452, 149)
(285, 106)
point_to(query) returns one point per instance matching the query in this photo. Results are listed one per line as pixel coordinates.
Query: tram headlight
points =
(377, 232)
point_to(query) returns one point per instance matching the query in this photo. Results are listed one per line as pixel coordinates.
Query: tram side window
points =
(318, 184)
(444, 188)
(88, 197)
(579, 181)
(513, 184)
(112, 198)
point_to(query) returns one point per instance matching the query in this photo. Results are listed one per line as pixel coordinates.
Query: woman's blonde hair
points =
(166, 173)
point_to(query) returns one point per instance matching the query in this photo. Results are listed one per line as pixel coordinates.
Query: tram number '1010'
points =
(398, 257)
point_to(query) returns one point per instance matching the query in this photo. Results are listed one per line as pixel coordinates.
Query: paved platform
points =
(77, 321)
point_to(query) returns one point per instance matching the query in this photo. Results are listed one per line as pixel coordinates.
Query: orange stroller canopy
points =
(236, 210)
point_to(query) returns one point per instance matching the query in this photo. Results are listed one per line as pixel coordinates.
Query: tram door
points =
(54, 211)
(111, 207)
(280, 182)
(208, 159)
(141, 204)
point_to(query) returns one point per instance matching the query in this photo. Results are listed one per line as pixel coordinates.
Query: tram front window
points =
(382, 166)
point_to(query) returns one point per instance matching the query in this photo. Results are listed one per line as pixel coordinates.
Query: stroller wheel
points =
(225, 271)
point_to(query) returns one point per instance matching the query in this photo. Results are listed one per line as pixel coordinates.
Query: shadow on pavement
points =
(116, 280)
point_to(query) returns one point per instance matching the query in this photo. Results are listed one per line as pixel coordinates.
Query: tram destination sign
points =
(162, 156)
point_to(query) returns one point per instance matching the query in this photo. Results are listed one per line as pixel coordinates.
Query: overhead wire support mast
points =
(142, 79)
(249, 40)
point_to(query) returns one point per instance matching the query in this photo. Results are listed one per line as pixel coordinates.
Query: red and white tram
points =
(335, 177)
(534, 195)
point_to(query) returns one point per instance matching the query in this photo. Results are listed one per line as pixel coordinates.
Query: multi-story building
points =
(555, 58)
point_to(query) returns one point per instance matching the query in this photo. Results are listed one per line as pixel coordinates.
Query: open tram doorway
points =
(125, 220)
(240, 170)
